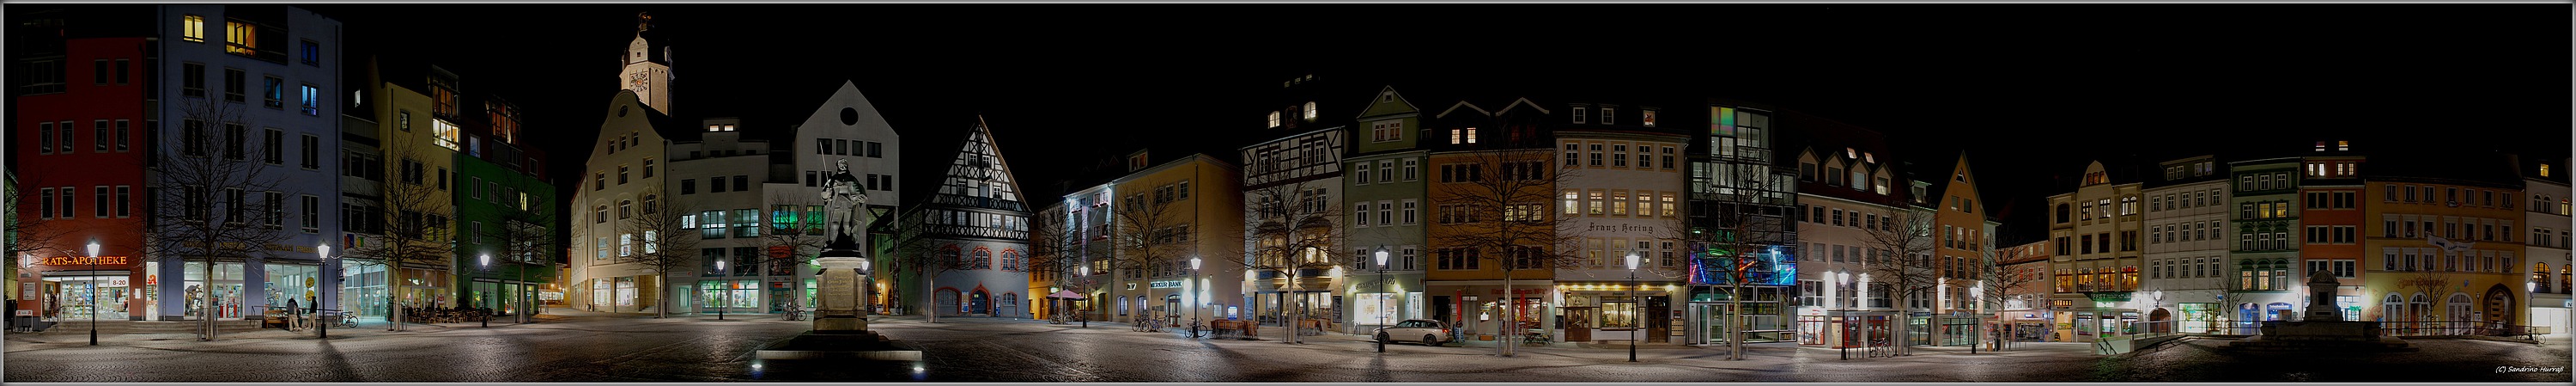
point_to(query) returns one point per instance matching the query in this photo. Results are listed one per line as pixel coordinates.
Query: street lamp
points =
(1198, 296)
(485, 261)
(1638, 326)
(1381, 300)
(1083, 273)
(323, 252)
(721, 292)
(93, 293)
(1842, 282)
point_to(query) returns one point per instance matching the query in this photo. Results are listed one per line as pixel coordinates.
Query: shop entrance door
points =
(1578, 323)
(1659, 323)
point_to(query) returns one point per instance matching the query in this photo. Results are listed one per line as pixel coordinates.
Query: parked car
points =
(1426, 331)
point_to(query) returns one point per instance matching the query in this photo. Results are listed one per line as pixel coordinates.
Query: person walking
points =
(291, 314)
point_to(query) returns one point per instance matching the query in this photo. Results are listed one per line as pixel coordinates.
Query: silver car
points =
(1428, 332)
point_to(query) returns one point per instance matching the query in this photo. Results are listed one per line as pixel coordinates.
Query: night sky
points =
(2030, 91)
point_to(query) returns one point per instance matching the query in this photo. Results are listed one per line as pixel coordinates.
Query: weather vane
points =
(643, 21)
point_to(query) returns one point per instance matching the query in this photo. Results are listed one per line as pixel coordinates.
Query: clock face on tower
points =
(637, 82)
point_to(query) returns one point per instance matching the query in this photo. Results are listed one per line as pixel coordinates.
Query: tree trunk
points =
(662, 303)
(929, 298)
(1511, 317)
(207, 318)
(1735, 320)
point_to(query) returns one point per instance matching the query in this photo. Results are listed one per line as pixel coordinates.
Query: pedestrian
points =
(291, 314)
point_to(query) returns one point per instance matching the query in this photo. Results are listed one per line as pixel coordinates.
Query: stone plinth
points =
(2321, 336)
(840, 319)
(838, 304)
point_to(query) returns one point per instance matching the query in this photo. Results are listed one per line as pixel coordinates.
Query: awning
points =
(1065, 295)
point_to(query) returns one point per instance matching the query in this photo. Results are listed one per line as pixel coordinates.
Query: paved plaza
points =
(577, 346)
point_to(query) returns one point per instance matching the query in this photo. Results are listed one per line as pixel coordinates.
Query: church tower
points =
(647, 66)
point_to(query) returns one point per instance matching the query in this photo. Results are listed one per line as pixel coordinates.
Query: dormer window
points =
(1386, 97)
(1609, 115)
(1578, 114)
(1648, 118)
(1310, 111)
(1274, 119)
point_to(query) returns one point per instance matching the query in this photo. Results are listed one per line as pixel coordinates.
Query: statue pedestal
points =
(2331, 335)
(840, 319)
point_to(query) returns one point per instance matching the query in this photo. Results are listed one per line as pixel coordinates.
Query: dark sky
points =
(2032, 91)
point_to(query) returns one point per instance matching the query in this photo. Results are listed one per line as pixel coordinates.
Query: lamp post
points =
(93, 293)
(1842, 282)
(1381, 300)
(323, 252)
(1083, 273)
(1638, 325)
(723, 290)
(484, 260)
(1197, 298)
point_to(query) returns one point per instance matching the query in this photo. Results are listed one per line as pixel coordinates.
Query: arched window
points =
(649, 199)
(2392, 308)
(2540, 278)
(952, 257)
(2564, 280)
(1011, 260)
(2084, 280)
(1010, 303)
(982, 259)
(1122, 302)
(599, 214)
(625, 208)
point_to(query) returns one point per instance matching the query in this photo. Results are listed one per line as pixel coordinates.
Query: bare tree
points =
(1738, 243)
(802, 238)
(1150, 238)
(1527, 236)
(658, 240)
(1901, 258)
(214, 166)
(2001, 280)
(413, 236)
(526, 235)
(1291, 229)
(926, 258)
(1053, 250)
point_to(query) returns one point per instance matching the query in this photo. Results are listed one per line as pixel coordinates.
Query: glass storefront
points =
(299, 282)
(225, 288)
(733, 295)
(362, 288)
(78, 297)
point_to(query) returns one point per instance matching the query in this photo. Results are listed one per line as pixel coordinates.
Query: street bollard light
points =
(93, 293)
(1634, 330)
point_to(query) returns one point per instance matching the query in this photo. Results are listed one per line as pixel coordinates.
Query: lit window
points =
(1310, 111)
(192, 28)
(1648, 118)
(312, 101)
(1274, 119)
(444, 133)
(239, 38)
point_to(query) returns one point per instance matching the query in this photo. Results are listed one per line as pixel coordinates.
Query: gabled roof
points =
(1521, 101)
(979, 163)
(1396, 105)
(1471, 106)
(668, 128)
